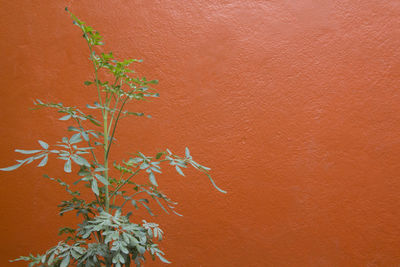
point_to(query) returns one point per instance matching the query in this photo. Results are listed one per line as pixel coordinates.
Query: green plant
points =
(106, 237)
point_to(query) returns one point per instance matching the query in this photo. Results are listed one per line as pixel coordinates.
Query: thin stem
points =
(107, 200)
(91, 150)
(113, 114)
(124, 183)
(94, 158)
(96, 75)
(105, 115)
(131, 196)
(115, 126)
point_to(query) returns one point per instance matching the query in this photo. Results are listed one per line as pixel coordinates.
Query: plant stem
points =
(115, 126)
(115, 105)
(130, 197)
(124, 183)
(113, 114)
(96, 75)
(91, 150)
(106, 148)
(105, 115)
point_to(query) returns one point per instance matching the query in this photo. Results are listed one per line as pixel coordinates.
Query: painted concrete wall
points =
(294, 104)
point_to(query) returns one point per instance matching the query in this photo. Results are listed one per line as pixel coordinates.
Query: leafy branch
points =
(106, 235)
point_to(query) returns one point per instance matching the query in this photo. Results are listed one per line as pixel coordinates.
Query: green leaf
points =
(88, 82)
(187, 153)
(95, 188)
(11, 168)
(27, 151)
(102, 179)
(153, 179)
(92, 120)
(44, 161)
(43, 144)
(159, 155)
(67, 166)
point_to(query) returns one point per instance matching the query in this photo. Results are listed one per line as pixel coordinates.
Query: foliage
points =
(106, 237)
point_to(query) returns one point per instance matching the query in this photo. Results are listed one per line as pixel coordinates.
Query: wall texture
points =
(294, 104)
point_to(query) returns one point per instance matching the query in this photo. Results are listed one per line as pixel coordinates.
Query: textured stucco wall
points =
(294, 104)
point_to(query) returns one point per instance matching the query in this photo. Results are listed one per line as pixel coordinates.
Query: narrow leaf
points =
(212, 181)
(205, 168)
(162, 258)
(27, 151)
(179, 170)
(85, 136)
(80, 161)
(44, 161)
(95, 188)
(65, 118)
(11, 168)
(161, 205)
(153, 179)
(43, 144)
(102, 179)
(67, 166)
(65, 261)
(100, 169)
(76, 138)
(148, 209)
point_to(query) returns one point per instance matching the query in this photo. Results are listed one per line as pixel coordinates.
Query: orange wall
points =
(294, 104)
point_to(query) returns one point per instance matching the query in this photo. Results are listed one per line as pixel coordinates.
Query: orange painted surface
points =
(294, 104)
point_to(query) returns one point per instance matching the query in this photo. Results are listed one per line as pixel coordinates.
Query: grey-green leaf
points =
(65, 118)
(27, 151)
(162, 258)
(76, 138)
(153, 179)
(102, 179)
(43, 144)
(65, 261)
(95, 188)
(80, 161)
(179, 170)
(67, 166)
(11, 168)
(44, 161)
